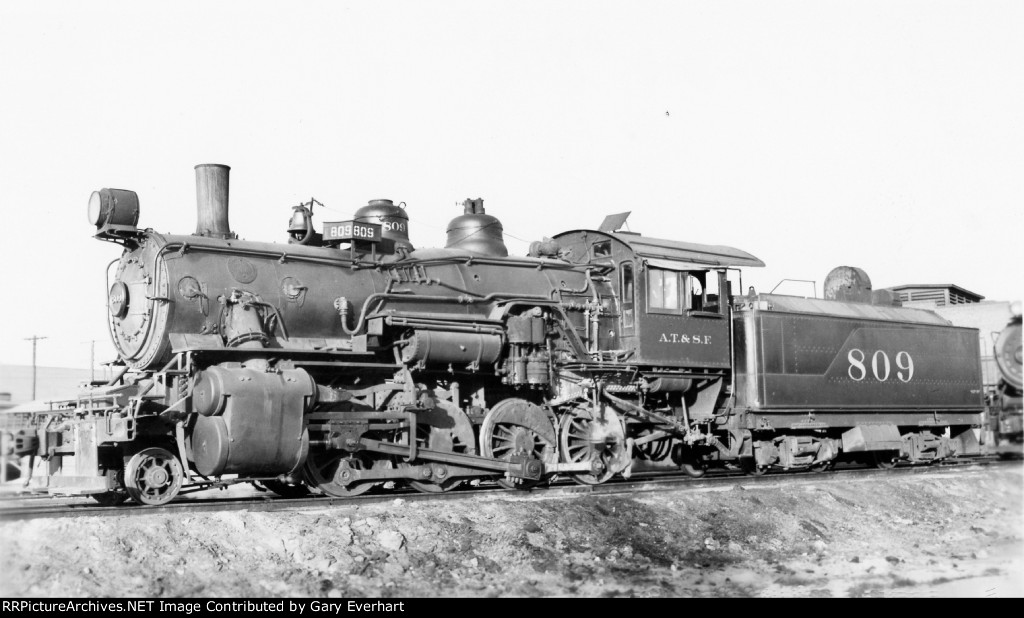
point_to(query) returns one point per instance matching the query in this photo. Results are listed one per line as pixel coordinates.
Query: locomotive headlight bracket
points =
(114, 212)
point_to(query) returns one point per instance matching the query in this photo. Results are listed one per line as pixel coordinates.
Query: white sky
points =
(886, 135)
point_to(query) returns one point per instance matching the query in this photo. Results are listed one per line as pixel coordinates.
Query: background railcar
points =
(998, 324)
(1006, 400)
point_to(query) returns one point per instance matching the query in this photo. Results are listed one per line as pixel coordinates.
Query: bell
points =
(301, 220)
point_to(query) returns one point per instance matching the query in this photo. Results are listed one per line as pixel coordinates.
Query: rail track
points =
(31, 507)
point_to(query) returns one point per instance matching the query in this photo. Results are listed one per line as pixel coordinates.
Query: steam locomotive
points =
(1006, 410)
(346, 359)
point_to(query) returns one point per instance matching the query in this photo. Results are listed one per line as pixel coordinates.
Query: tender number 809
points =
(881, 367)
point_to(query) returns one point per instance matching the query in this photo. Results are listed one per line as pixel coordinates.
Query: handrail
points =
(814, 285)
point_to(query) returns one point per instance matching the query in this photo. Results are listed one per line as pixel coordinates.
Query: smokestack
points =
(212, 200)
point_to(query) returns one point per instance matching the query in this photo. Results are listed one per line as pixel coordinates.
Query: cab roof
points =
(685, 253)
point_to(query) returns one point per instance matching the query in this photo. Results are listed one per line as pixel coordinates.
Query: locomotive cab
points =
(683, 318)
(665, 302)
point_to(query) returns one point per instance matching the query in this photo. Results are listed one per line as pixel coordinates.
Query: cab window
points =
(603, 249)
(663, 291)
(673, 292)
(695, 291)
(626, 295)
(713, 293)
(703, 291)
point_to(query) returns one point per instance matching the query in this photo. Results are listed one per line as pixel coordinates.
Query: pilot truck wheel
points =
(153, 476)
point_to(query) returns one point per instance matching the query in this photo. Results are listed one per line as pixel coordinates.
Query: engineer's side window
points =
(671, 292)
(663, 291)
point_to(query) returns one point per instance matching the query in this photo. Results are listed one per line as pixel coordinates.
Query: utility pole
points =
(92, 359)
(34, 339)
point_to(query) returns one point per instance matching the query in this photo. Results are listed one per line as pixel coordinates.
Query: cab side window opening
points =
(695, 290)
(703, 291)
(663, 291)
(627, 296)
(672, 292)
(713, 293)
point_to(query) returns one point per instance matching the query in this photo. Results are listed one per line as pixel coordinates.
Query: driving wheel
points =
(517, 430)
(445, 427)
(331, 472)
(596, 438)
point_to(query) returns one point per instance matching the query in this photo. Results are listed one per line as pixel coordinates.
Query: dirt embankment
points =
(935, 535)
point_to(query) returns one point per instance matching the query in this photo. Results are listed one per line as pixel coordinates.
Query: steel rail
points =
(641, 483)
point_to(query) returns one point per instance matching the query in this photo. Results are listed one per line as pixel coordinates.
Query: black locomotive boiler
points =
(346, 359)
(1006, 397)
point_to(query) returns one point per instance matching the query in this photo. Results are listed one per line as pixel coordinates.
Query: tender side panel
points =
(810, 362)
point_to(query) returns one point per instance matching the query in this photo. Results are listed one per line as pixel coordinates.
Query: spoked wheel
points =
(331, 471)
(153, 476)
(883, 460)
(586, 437)
(516, 429)
(442, 428)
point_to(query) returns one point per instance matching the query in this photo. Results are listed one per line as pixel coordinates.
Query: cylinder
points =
(212, 200)
(250, 422)
(208, 394)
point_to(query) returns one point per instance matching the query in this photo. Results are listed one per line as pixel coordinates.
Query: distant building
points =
(928, 296)
(51, 382)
